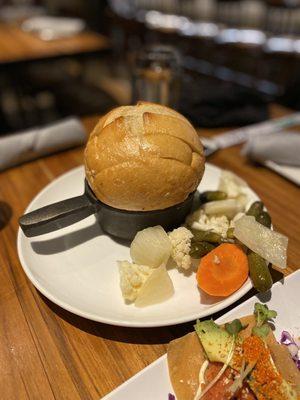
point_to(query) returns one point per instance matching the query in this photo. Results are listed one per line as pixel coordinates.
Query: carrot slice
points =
(223, 270)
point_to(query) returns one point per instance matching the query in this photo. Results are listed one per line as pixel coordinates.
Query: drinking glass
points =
(156, 75)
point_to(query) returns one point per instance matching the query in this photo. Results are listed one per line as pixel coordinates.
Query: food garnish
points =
(270, 245)
(201, 378)
(265, 380)
(293, 346)
(262, 316)
(241, 376)
(234, 327)
(223, 271)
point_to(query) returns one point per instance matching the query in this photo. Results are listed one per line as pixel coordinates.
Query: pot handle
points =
(57, 215)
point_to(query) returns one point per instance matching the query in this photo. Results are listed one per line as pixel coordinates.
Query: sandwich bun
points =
(143, 157)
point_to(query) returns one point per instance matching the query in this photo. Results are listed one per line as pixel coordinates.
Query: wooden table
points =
(48, 353)
(19, 46)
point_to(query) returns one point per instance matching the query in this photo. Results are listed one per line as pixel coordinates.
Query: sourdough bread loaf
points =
(143, 157)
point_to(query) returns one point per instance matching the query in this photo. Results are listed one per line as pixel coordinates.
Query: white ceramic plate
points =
(153, 382)
(76, 267)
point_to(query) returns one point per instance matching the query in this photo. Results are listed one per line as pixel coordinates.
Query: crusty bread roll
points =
(143, 157)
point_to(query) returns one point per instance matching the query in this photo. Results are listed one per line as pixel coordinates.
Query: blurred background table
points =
(19, 46)
(48, 353)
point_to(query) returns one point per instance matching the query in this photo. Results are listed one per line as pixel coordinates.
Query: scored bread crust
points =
(143, 157)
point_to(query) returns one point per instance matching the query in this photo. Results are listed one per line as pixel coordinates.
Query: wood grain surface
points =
(48, 353)
(16, 45)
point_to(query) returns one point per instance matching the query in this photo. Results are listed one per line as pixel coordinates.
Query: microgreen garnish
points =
(262, 315)
(261, 331)
(235, 327)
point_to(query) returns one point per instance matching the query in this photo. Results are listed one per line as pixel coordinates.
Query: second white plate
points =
(76, 267)
(153, 381)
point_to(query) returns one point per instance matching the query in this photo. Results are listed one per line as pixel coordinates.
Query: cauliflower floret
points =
(132, 278)
(231, 184)
(181, 246)
(199, 220)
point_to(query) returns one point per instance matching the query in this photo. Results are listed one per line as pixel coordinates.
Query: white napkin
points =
(31, 144)
(278, 151)
(281, 148)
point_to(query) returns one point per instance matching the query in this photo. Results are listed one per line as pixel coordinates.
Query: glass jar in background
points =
(156, 75)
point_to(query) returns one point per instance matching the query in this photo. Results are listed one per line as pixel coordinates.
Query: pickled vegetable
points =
(212, 195)
(264, 219)
(200, 249)
(255, 209)
(228, 207)
(270, 245)
(231, 184)
(259, 272)
(242, 199)
(206, 236)
(223, 270)
(151, 247)
(157, 288)
(230, 233)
